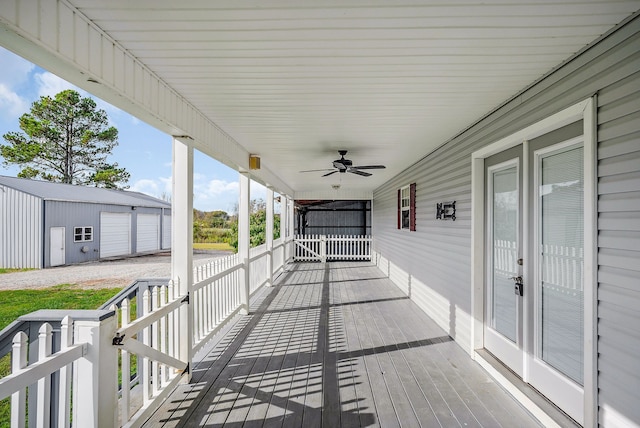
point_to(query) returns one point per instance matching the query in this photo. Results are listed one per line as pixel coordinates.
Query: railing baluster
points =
(18, 362)
(164, 369)
(155, 379)
(146, 336)
(43, 407)
(125, 367)
(171, 320)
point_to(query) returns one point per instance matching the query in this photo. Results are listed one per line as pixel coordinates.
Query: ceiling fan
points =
(343, 165)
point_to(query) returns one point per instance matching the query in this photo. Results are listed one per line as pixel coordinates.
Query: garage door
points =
(148, 235)
(166, 232)
(115, 234)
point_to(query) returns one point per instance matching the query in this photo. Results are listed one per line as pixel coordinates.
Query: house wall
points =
(76, 214)
(20, 229)
(433, 264)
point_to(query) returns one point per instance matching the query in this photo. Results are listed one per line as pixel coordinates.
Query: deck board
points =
(338, 345)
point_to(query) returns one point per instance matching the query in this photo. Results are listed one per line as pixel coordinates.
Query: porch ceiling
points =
(295, 81)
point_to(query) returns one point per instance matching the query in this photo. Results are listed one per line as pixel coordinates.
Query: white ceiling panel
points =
(389, 81)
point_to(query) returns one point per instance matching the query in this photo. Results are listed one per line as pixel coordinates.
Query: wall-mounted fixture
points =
(254, 162)
(133, 208)
(446, 211)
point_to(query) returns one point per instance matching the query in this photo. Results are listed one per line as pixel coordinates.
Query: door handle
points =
(519, 286)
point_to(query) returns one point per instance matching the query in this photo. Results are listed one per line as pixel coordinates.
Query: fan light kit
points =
(343, 165)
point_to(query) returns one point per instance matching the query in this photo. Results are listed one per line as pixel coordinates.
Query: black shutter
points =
(399, 208)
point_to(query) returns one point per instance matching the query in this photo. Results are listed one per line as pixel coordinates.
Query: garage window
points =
(83, 234)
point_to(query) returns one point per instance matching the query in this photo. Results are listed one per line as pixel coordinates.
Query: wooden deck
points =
(338, 345)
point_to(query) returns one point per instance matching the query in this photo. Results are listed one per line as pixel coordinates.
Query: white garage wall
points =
(20, 229)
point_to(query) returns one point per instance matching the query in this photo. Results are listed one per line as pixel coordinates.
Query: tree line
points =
(219, 226)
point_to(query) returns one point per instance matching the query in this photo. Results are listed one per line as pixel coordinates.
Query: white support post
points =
(284, 212)
(95, 376)
(244, 240)
(269, 236)
(288, 227)
(290, 220)
(182, 245)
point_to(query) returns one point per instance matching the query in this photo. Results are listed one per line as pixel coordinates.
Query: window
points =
(407, 207)
(83, 234)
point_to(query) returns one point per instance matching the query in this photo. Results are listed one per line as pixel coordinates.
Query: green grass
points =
(14, 303)
(11, 270)
(221, 246)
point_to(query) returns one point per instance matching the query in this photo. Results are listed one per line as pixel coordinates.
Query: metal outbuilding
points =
(44, 224)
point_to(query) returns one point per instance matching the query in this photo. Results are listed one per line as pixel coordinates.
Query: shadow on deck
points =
(338, 345)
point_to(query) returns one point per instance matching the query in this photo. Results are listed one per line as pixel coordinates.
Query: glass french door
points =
(504, 304)
(534, 310)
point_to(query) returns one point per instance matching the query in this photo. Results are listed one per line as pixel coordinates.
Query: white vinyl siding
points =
(148, 233)
(619, 248)
(21, 232)
(115, 234)
(433, 265)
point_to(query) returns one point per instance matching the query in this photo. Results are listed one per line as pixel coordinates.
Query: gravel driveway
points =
(101, 274)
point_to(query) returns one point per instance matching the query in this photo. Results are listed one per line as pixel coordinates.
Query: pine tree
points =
(65, 139)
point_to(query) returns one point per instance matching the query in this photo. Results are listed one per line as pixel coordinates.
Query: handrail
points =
(132, 290)
(30, 374)
(145, 321)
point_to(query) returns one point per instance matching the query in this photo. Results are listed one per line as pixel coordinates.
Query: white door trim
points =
(586, 111)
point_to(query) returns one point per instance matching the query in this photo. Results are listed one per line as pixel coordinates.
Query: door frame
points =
(585, 111)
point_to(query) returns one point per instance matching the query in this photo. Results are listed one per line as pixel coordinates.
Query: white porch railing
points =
(49, 378)
(332, 247)
(151, 337)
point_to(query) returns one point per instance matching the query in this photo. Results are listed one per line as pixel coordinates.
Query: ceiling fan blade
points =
(329, 173)
(369, 167)
(317, 170)
(339, 165)
(362, 173)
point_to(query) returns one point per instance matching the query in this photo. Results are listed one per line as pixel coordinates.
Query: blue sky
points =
(143, 150)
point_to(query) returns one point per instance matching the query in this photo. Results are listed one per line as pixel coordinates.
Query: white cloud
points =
(11, 104)
(49, 84)
(153, 187)
(217, 187)
(258, 191)
(15, 70)
(167, 184)
(147, 186)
